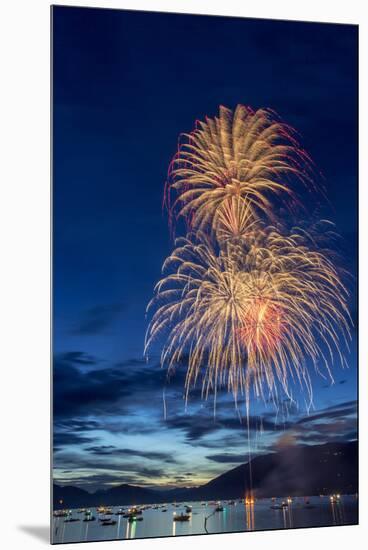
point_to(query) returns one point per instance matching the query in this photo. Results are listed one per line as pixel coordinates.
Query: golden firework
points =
(243, 302)
(244, 155)
(250, 315)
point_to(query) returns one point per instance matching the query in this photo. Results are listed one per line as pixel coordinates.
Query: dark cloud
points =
(62, 439)
(104, 450)
(75, 358)
(315, 438)
(228, 458)
(77, 425)
(80, 393)
(83, 463)
(113, 389)
(332, 421)
(97, 481)
(96, 319)
(199, 426)
(101, 450)
(337, 423)
(330, 412)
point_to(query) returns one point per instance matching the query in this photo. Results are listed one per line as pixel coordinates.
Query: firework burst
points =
(245, 154)
(243, 302)
(249, 316)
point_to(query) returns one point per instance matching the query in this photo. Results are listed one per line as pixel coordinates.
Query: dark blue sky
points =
(126, 84)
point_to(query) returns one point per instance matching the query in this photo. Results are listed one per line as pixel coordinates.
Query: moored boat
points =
(61, 513)
(107, 522)
(88, 516)
(181, 517)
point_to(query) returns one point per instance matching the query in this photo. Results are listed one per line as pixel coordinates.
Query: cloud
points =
(65, 439)
(77, 425)
(83, 465)
(76, 358)
(104, 450)
(198, 426)
(98, 318)
(342, 410)
(98, 481)
(81, 393)
(101, 450)
(120, 388)
(337, 423)
(331, 423)
(228, 458)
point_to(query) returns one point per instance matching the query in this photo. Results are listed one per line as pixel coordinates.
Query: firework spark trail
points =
(245, 154)
(251, 315)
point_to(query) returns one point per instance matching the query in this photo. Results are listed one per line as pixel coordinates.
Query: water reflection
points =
(337, 510)
(245, 515)
(130, 530)
(287, 516)
(249, 514)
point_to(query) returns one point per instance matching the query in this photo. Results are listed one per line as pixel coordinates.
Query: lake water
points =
(235, 517)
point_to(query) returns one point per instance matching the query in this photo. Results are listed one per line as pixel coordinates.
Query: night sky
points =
(125, 85)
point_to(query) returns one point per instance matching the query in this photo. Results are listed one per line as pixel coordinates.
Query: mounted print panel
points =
(204, 274)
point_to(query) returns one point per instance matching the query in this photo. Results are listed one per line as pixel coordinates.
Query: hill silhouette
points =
(294, 471)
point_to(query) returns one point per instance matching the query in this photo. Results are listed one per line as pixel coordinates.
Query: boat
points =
(181, 517)
(105, 517)
(61, 513)
(120, 512)
(188, 509)
(88, 516)
(219, 509)
(281, 506)
(335, 499)
(105, 511)
(134, 511)
(107, 522)
(164, 510)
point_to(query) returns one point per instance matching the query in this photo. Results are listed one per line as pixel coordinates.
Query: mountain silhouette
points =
(294, 471)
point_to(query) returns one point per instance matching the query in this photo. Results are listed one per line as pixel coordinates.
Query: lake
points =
(235, 517)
